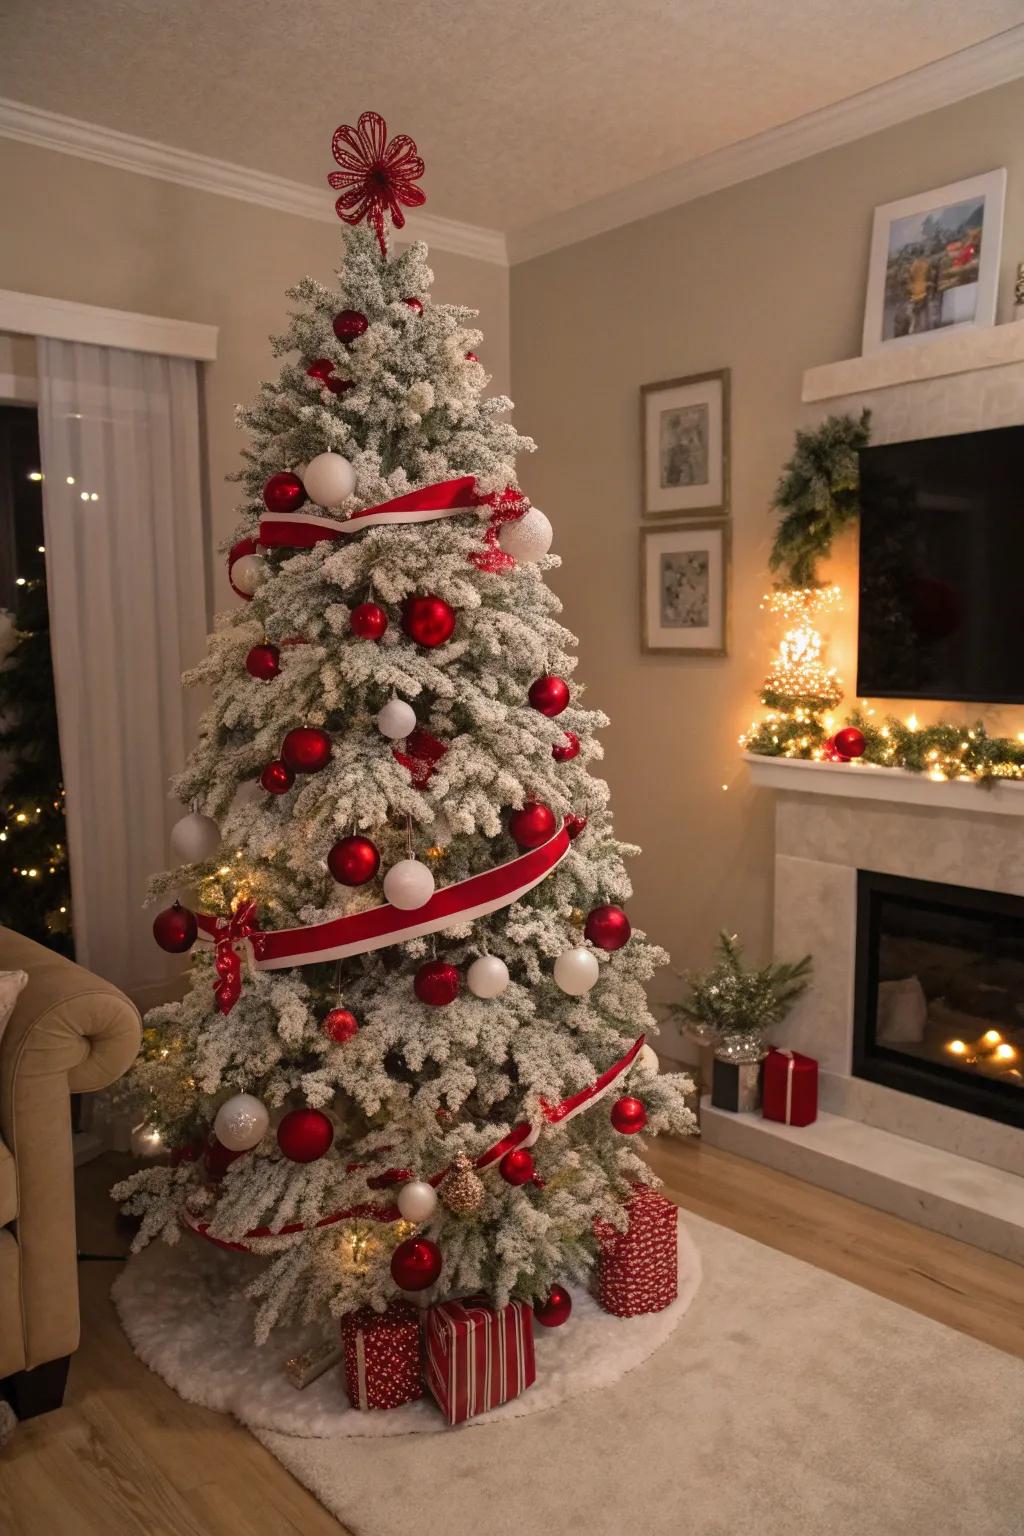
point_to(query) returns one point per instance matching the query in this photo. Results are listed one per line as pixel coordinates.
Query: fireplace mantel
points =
(869, 781)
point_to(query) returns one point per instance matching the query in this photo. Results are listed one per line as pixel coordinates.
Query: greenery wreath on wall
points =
(817, 497)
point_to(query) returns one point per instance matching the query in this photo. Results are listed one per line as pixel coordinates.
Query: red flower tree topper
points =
(376, 176)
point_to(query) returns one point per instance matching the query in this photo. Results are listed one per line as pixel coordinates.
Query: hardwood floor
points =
(126, 1456)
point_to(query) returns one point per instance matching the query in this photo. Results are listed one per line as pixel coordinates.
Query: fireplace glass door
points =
(940, 993)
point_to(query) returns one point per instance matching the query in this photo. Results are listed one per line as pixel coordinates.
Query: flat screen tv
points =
(942, 568)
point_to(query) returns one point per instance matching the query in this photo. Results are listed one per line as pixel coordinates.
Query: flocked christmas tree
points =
(412, 1050)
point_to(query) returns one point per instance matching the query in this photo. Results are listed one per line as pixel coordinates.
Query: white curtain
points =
(119, 434)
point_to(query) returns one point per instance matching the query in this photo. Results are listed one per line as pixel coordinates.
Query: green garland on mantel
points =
(817, 496)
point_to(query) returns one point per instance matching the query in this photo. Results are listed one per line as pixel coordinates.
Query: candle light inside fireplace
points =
(1004, 1052)
(957, 1048)
(991, 1037)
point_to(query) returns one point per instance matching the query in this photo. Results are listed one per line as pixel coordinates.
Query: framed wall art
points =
(684, 434)
(934, 262)
(684, 588)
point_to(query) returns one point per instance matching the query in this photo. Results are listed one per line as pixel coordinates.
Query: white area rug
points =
(789, 1403)
(181, 1310)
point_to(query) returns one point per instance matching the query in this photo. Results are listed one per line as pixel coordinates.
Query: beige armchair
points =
(69, 1033)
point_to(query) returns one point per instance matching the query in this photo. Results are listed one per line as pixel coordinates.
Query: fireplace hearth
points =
(939, 993)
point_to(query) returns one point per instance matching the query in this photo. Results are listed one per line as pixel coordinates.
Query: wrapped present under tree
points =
(638, 1270)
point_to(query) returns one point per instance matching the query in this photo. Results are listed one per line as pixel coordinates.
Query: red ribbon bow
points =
(238, 927)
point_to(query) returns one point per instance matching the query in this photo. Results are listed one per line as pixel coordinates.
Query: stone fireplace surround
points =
(953, 1171)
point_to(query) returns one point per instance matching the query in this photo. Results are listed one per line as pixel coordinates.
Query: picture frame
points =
(684, 445)
(934, 262)
(684, 589)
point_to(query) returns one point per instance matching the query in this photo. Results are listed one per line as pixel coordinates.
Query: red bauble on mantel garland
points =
(608, 927)
(175, 929)
(277, 778)
(428, 620)
(436, 983)
(340, 1025)
(284, 492)
(516, 1167)
(849, 742)
(565, 750)
(354, 860)
(349, 324)
(263, 662)
(532, 824)
(556, 1310)
(368, 621)
(305, 1135)
(549, 695)
(306, 749)
(628, 1115)
(416, 1264)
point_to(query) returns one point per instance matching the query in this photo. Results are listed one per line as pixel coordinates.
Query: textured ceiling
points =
(521, 108)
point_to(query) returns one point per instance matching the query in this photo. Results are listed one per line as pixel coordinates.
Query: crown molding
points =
(146, 157)
(982, 67)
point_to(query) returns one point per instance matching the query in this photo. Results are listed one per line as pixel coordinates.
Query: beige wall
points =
(76, 230)
(767, 279)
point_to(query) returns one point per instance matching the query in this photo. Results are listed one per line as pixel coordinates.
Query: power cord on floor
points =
(101, 1258)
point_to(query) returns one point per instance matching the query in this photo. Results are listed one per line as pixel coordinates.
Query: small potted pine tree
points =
(732, 1008)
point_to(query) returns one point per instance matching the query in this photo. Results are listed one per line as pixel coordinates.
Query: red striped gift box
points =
(477, 1356)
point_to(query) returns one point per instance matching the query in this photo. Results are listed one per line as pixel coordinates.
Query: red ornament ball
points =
(533, 824)
(264, 662)
(349, 323)
(277, 778)
(549, 695)
(354, 860)
(320, 368)
(628, 1115)
(436, 983)
(471, 357)
(368, 621)
(428, 620)
(416, 1264)
(340, 1025)
(217, 1158)
(175, 929)
(516, 1167)
(284, 492)
(304, 1135)
(565, 750)
(849, 742)
(414, 304)
(340, 386)
(574, 825)
(607, 927)
(556, 1310)
(306, 750)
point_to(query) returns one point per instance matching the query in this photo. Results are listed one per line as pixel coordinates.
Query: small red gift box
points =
(382, 1356)
(638, 1270)
(790, 1091)
(477, 1356)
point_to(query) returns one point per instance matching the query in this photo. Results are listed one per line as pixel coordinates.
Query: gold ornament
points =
(435, 854)
(577, 917)
(463, 1190)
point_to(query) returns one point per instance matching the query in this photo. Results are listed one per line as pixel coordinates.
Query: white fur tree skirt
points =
(184, 1316)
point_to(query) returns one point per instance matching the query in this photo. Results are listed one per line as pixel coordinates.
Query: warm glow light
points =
(991, 1037)
(957, 1048)
(912, 723)
(1005, 1052)
(35, 474)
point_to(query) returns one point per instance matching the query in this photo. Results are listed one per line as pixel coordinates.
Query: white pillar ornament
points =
(576, 971)
(408, 884)
(329, 479)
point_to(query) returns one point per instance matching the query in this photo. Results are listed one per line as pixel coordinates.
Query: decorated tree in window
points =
(412, 1052)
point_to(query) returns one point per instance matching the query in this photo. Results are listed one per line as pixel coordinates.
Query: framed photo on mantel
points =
(684, 435)
(683, 588)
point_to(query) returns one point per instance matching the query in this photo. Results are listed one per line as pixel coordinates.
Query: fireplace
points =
(939, 993)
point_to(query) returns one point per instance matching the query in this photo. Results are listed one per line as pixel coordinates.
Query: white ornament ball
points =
(527, 539)
(648, 1060)
(396, 719)
(247, 573)
(408, 884)
(576, 970)
(417, 1200)
(241, 1122)
(329, 479)
(195, 837)
(487, 976)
